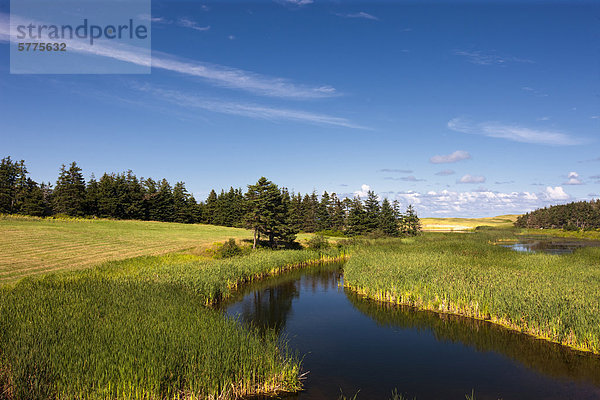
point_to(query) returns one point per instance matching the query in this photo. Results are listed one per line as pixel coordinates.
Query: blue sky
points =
(463, 109)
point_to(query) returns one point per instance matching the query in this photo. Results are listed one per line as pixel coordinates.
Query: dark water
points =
(357, 345)
(551, 245)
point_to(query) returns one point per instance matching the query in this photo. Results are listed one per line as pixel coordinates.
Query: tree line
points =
(573, 216)
(275, 214)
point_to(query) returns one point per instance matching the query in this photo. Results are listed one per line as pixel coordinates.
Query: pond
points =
(355, 345)
(550, 245)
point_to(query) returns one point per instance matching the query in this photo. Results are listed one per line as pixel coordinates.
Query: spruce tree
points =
(267, 214)
(388, 223)
(371, 211)
(92, 197)
(323, 212)
(69, 193)
(182, 208)
(412, 223)
(357, 218)
(8, 179)
(338, 214)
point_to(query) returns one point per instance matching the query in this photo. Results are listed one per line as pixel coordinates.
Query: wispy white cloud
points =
(410, 178)
(360, 14)
(188, 23)
(399, 171)
(573, 179)
(514, 133)
(534, 92)
(458, 155)
(471, 179)
(250, 110)
(295, 2)
(489, 58)
(215, 74)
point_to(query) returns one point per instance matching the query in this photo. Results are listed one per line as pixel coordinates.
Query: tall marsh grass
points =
(141, 329)
(548, 296)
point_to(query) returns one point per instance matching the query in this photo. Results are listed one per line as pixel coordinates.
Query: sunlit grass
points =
(141, 329)
(30, 246)
(548, 296)
(465, 224)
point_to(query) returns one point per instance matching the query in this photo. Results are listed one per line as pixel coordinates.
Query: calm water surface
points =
(351, 344)
(551, 245)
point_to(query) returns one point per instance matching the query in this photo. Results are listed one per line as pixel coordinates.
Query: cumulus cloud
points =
(364, 190)
(445, 172)
(513, 132)
(556, 193)
(458, 155)
(476, 203)
(573, 179)
(471, 179)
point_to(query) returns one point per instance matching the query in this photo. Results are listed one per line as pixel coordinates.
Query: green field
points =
(547, 296)
(142, 328)
(463, 224)
(34, 245)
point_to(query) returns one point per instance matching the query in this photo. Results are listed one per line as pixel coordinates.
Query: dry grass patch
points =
(31, 246)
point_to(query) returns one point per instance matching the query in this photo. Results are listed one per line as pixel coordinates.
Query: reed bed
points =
(548, 296)
(141, 329)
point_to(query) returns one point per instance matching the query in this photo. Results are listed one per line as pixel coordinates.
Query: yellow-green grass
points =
(554, 297)
(142, 329)
(464, 224)
(580, 234)
(30, 246)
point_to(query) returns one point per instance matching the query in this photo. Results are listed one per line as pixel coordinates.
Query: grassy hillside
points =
(461, 224)
(33, 245)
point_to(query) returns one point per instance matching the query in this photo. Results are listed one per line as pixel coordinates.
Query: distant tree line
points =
(573, 216)
(275, 214)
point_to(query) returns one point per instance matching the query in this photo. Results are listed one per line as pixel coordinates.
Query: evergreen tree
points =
(323, 213)
(33, 202)
(309, 212)
(164, 208)
(92, 197)
(295, 212)
(267, 214)
(371, 211)
(412, 224)
(182, 205)
(131, 196)
(8, 178)
(338, 214)
(357, 218)
(69, 193)
(211, 208)
(388, 223)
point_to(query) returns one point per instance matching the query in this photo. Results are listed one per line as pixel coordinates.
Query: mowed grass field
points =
(463, 224)
(30, 246)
